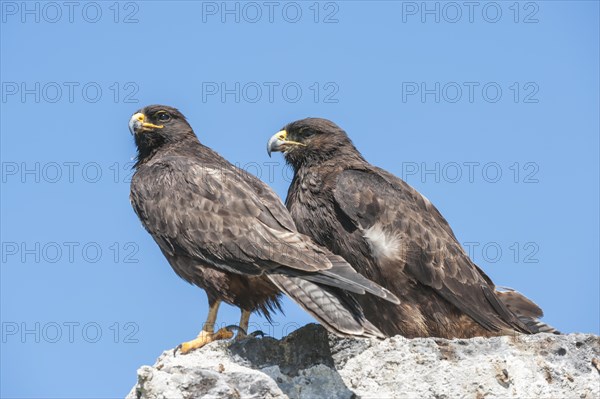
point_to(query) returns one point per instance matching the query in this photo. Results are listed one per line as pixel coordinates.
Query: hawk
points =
(395, 237)
(227, 232)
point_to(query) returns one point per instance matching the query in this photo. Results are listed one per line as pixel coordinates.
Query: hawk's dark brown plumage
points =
(394, 236)
(225, 231)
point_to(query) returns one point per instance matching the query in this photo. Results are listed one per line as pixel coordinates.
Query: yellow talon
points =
(223, 333)
(205, 338)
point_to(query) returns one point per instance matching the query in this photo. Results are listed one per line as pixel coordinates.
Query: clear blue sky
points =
(491, 112)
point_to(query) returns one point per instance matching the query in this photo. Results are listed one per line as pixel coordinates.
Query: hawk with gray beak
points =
(395, 237)
(227, 232)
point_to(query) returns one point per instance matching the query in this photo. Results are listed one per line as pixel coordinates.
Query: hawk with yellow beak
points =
(395, 237)
(227, 232)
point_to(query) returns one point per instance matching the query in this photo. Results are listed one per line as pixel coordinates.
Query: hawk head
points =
(311, 140)
(155, 126)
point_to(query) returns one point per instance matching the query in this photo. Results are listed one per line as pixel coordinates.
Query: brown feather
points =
(227, 232)
(394, 236)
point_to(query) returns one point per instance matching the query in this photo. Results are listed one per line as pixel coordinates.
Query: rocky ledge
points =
(310, 363)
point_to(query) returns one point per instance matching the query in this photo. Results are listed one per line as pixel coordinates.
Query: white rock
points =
(310, 364)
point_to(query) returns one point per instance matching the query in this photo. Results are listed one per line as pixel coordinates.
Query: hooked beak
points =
(279, 142)
(137, 124)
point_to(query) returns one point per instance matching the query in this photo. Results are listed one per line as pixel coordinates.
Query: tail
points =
(525, 309)
(335, 309)
(342, 275)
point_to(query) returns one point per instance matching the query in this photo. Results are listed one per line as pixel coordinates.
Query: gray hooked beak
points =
(279, 142)
(136, 123)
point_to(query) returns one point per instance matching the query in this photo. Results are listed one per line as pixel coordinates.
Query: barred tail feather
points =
(335, 309)
(525, 309)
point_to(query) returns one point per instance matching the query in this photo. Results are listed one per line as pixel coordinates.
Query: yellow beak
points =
(137, 123)
(279, 142)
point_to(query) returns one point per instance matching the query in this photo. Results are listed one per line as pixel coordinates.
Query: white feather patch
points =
(383, 244)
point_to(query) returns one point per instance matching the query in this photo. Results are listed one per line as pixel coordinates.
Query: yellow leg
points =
(244, 321)
(207, 335)
(211, 319)
(243, 331)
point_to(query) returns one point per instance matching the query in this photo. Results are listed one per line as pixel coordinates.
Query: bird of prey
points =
(227, 232)
(395, 237)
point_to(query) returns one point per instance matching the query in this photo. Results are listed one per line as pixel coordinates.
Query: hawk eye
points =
(164, 117)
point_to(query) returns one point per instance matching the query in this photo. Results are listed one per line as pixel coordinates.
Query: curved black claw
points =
(176, 349)
(236, 328)
(257, 333)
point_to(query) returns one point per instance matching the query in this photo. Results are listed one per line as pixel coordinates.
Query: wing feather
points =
(212, 215)
(209, 214)
(427, 248)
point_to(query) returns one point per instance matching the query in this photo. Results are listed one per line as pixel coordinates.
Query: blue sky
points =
(489, 111)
